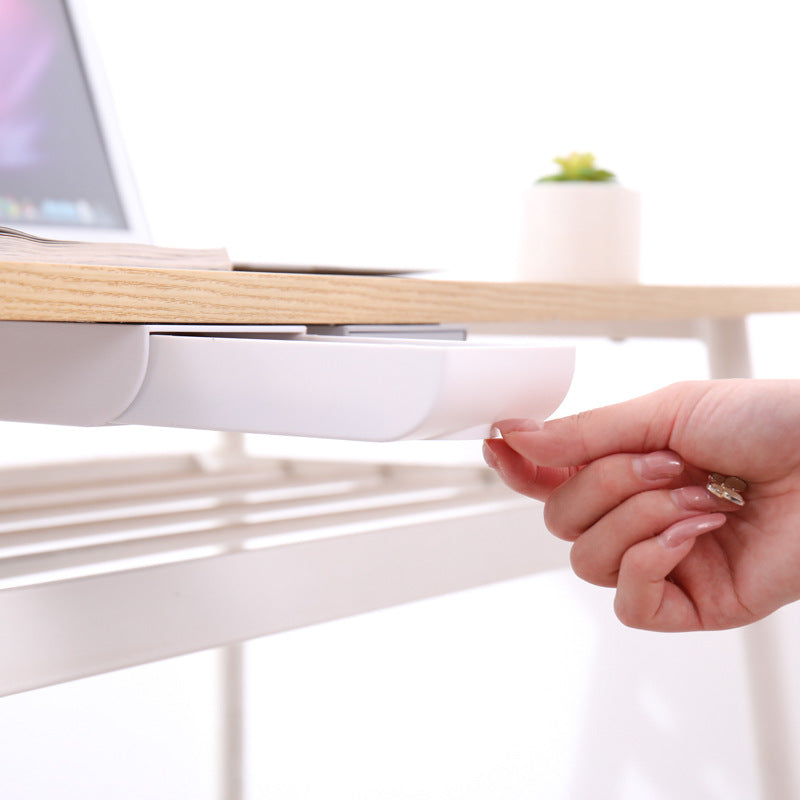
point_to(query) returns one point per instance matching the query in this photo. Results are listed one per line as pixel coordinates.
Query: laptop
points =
(64, 173)
(63, 168)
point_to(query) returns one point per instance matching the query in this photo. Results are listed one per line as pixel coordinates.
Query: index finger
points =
(641, 425)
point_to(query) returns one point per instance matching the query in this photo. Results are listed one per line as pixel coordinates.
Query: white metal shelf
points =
(172, 556)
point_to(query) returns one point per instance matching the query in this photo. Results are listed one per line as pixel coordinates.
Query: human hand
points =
(626, 484)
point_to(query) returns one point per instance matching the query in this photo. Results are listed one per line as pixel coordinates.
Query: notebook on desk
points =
(64, 172)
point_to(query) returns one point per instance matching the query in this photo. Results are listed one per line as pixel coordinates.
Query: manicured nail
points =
(488, 455)
(694, 498)
(687, 529)
(657, 466)
(517, 426)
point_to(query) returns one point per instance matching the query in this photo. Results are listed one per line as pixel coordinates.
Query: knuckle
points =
(585, 565)
(636, 561)
(577, 561)
(555, 522)
(628, 614)
(582, 422)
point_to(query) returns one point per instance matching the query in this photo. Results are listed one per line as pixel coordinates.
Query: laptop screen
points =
(56, 169)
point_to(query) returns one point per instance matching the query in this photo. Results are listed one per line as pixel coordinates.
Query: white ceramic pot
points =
(581, 232)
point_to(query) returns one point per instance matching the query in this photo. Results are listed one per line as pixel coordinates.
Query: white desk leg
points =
(728, 347)
(771, 725)
(729, 357)
(231, 722)
(231, 677)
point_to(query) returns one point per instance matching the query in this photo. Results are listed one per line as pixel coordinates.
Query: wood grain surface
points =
(34, 291)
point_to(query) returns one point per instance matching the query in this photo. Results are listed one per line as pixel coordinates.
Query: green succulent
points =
(578, 167)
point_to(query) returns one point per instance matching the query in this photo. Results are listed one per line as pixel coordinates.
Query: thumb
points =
(642, 425)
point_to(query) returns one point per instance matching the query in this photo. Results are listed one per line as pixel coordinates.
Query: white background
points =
(405, 135)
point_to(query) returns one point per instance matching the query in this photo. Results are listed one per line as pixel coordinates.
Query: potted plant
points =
(580, 225)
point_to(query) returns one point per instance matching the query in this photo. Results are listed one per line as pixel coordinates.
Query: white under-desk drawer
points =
(277, 380)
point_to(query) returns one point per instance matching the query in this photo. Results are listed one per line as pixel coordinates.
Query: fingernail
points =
(694, 498)
(517, 426)
(657, 466)
(687, 529)
(488, 455)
